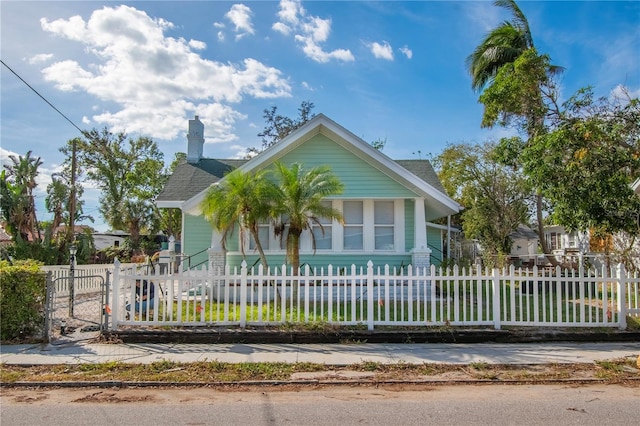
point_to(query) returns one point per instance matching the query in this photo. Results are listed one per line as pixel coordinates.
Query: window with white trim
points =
(384, 225)
(324, 240)
(353, 225)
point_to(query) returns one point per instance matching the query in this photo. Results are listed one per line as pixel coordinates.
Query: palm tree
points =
(239, 199)
(23, 172)
(501, 47)
(137, 215)
(298, 203)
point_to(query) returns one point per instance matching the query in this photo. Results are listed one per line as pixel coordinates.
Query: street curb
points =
(261, 336)
(277, 383)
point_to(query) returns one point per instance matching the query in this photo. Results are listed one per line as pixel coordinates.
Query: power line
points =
(43, 98)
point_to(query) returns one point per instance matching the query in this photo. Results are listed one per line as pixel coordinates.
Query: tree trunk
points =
(293, 252)
(263, 257)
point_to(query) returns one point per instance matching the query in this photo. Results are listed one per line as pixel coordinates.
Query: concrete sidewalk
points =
(329, 354)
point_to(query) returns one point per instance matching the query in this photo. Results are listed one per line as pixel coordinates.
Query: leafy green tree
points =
(58, 199)
(586, 163)
(297, 202)
(278, 126)
(240, 199)
(494, 195)
(126, 172)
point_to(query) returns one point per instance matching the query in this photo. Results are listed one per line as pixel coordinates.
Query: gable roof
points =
(523, 232)
(188, 186)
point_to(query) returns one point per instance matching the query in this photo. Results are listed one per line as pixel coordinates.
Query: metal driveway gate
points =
(78, 306)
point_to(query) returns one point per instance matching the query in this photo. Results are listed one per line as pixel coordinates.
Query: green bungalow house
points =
(387, 205)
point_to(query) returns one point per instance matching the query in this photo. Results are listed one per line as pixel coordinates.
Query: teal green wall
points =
(196, 237)
(434, 241)
(360, 179)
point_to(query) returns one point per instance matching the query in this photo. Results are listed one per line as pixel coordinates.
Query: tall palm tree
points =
(298, 202)
(501, 47)
(23, 172)
(239, 199)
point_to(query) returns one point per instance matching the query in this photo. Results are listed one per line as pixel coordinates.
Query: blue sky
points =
(393, 69)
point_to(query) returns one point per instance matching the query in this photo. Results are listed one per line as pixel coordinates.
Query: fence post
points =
(48, 312)
(496, 299)
(115, 302)
(622, 297)
(370, 295)
(106, 309)
(243, 295)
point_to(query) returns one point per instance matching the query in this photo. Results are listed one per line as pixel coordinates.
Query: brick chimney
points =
(195, 140)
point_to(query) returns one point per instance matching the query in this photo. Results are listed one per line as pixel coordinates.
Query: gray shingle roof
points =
(424, 170)
(189, 179)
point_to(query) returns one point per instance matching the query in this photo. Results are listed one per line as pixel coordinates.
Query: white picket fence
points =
(382, 296)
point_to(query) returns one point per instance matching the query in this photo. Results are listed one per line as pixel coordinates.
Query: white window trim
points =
(337, 236)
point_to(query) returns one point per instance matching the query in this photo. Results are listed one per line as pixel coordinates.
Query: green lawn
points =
(474, 306)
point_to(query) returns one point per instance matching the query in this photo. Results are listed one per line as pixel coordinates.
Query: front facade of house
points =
(387, 205)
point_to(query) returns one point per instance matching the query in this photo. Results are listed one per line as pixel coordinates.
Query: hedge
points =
(22, 299)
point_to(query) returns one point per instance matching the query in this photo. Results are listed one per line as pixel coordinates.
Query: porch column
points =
(420, 226)
(421, 253)
(217, 255)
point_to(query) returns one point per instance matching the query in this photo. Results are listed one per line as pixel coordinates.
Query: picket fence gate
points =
(378, 297)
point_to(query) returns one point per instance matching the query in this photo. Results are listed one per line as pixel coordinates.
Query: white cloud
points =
(197, 44)
(218, 25)
(381, 51)
(309, 31)
(307, 86)
(221, 35)
(38, 59)
(86, 120)
(281, 28)
(156, 81)
(240, 17)
(406, 51)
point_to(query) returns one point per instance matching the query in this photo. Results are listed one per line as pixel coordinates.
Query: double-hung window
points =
(383, 224)
(323, 240)
(353, 225)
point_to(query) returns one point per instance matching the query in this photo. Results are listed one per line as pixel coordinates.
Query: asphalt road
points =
(386, 405)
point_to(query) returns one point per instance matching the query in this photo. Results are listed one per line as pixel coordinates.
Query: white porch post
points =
(217, 255)
(421, 253)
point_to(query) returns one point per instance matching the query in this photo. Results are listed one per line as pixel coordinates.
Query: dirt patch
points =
(111, 397)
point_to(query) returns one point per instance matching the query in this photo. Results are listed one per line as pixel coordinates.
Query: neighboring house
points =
(102, 240)
(393, 200)
(524, 248)
(562, 242)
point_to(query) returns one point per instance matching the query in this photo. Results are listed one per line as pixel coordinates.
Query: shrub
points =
(22, 299)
